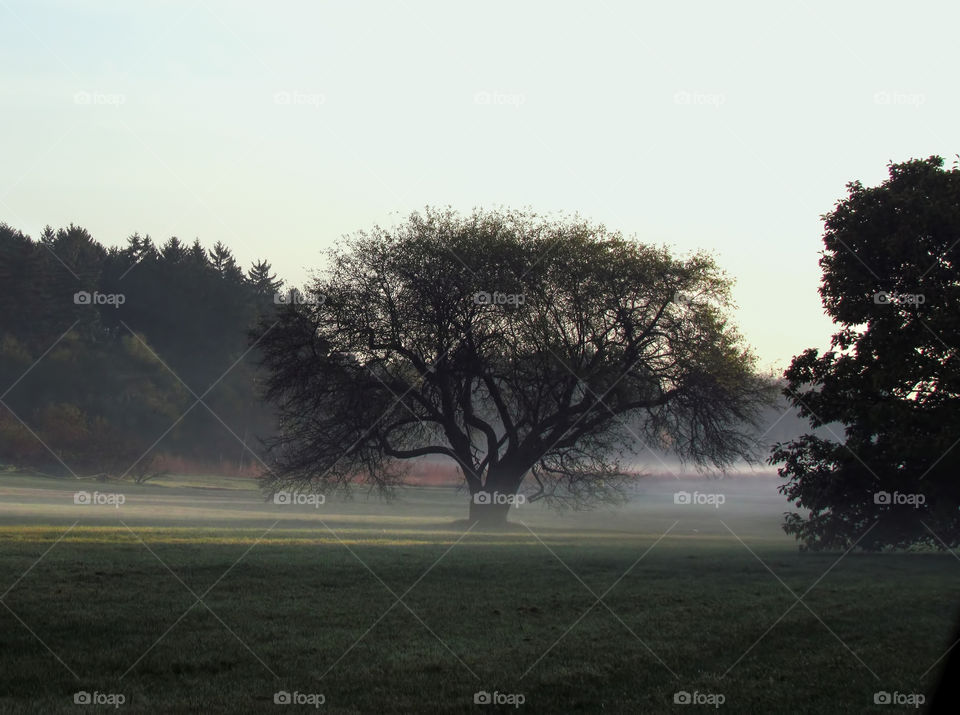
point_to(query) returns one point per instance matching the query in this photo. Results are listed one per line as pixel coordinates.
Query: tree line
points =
(118, 360)
(104, 353)
(531, 354)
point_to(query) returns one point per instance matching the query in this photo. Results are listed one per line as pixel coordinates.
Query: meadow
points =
(196, 594)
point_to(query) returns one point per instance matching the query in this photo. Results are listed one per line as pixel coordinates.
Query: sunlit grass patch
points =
(335, 534)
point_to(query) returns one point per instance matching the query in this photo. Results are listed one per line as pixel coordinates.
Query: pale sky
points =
(279, 127)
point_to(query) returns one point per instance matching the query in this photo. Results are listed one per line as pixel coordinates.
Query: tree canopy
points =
(891, 282)
(105, 351)
(514, 345)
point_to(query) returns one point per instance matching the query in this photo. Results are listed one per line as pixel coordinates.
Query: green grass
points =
(303, 608)
(100, 599)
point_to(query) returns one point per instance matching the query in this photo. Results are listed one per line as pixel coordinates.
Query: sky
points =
(280, 127)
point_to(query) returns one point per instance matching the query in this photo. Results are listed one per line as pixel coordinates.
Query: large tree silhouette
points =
(516, 347)
(891, 281)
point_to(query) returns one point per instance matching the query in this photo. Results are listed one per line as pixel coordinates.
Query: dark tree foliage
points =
(891, 281)
(263, 281)
(102, 387)
(517, 347)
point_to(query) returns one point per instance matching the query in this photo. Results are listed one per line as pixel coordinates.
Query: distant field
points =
(303, 600)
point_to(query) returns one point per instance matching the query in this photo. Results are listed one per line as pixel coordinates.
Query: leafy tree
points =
(891, 281)
(515, 346)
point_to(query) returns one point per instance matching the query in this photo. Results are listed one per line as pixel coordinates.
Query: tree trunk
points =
(489, 506)
(488, 514)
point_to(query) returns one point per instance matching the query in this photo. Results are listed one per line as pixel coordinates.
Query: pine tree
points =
(263, 282)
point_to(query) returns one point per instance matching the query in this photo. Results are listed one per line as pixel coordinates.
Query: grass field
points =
(208, 599)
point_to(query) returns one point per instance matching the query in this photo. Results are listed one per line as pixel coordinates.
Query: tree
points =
(99, 381)
(223, 262)
(263, 281)
(140, 247)
(516, 347)
(891, 281)
(173, 251)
